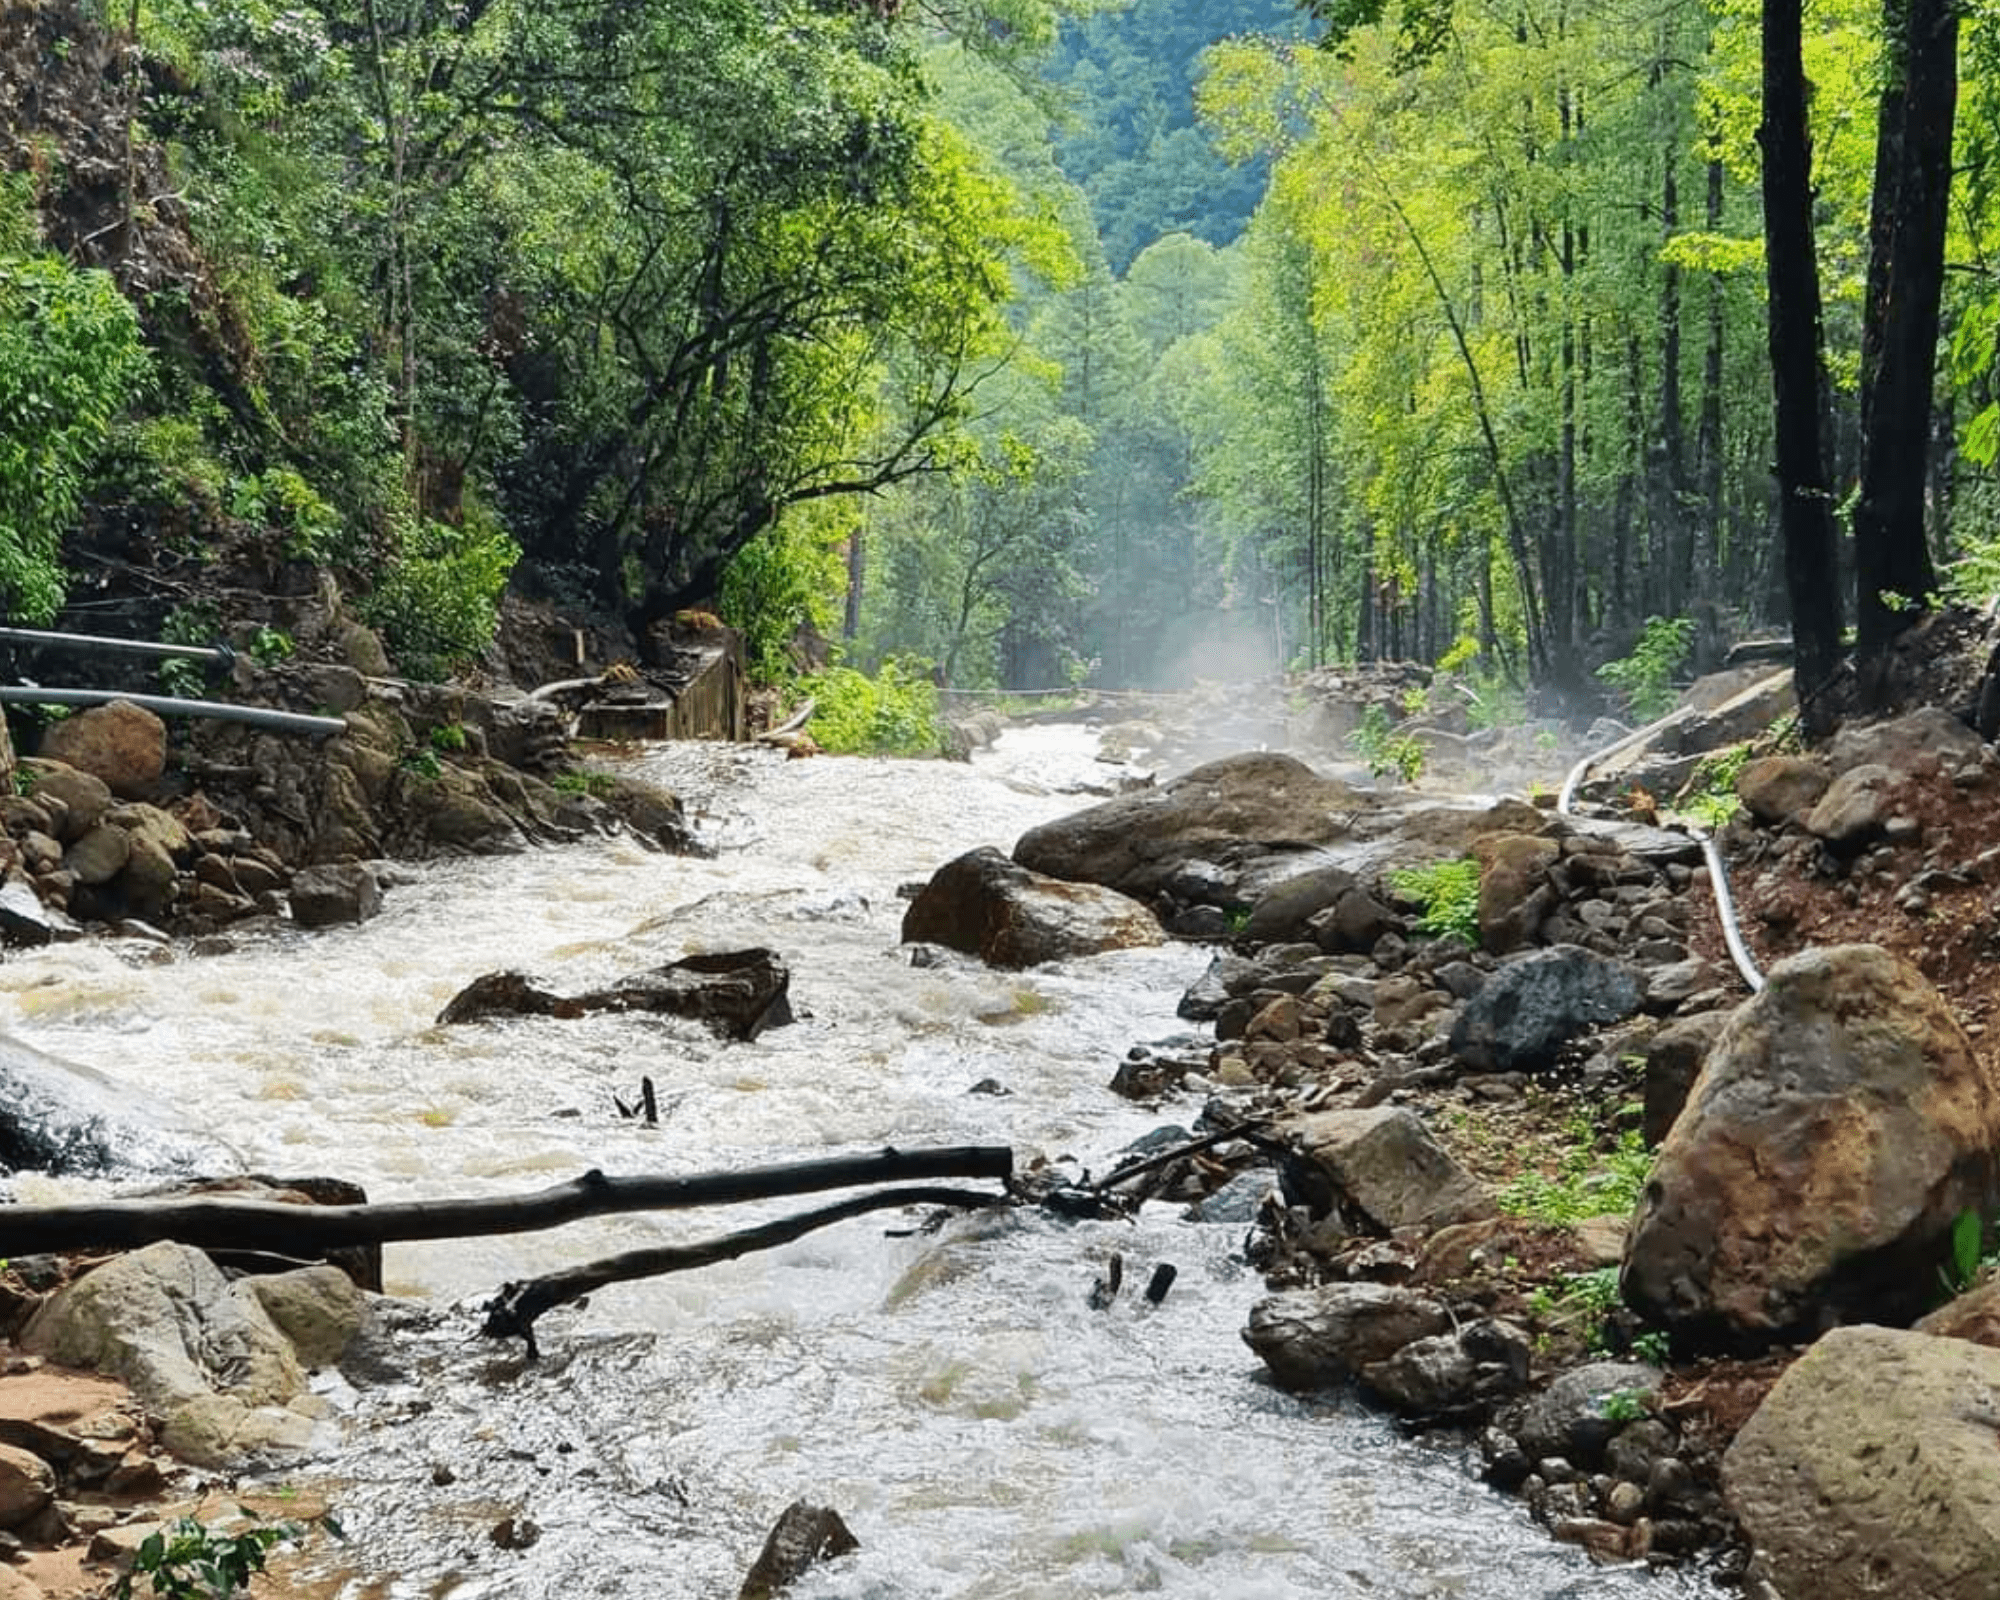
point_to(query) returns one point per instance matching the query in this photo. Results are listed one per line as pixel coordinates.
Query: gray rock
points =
(1870, 1471)
(1452, 1373)
(1285, 911)
(198, 1351)
(1228, 814)
(1316, 1338)
(324, 897)
(66, 1119)
(1568, 1418)
(986, 905)
(1534, 1004)
(1922, 742)
(1673, 1062)
(804, 1537)
(1384, 1165)
(1353, 923)
(1208, 994)
(1853, 809)
(738, 993)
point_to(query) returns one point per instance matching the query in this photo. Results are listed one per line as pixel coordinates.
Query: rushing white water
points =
(984, 1432)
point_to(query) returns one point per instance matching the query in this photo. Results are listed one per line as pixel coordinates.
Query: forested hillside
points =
(1025, 341)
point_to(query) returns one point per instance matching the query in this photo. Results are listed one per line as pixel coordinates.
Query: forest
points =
(1012, 343)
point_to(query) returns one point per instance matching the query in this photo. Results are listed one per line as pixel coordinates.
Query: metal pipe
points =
(169, 705)
(1638, 736)
(136, 647)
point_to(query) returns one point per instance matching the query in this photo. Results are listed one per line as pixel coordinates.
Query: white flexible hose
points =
(1718, 874)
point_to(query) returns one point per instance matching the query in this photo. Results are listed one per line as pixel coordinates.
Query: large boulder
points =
(1007, 915)
(123, 744)
(1384, 1169)
(1841, 1123)
(1315, 1338)
(199, 1351)
(1855, 806)
(737, 993)
(1535, 1004)
(324, 897)
(1229, 813)
(1870, 1471)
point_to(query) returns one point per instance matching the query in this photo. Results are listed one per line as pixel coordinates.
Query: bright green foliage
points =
(1447, 893)
(895, 713)
(70, 362)
(1388, 752)
(436, 604)
(1587, 1185)
(191, 1561)
(1710, 796)
(786, 579)
(1646, 676)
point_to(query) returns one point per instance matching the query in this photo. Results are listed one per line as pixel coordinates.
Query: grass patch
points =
(1447, 896)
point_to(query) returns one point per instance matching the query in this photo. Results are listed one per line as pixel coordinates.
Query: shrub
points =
(1387, 752)
(895, 713)
(70, 361)
(1447, 896)
(436, 603)
(1646, 677)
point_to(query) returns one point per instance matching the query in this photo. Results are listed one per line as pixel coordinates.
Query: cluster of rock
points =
(1819, 1143)
(102, 828)
(209, 1372)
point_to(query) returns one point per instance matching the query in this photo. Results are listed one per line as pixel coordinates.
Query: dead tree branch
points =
(512, 1312)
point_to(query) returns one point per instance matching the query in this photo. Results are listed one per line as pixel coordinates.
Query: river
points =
(986, 1434)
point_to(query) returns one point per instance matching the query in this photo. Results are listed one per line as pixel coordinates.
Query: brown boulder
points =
(1230, 812)
(1973, 1316)
(1781, 788)
(27, 1485)
(1840, 1125)
(83, 799)
(123, 744)
(1514, 892)
(987, 906)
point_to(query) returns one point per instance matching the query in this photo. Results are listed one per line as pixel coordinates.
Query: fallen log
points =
(207, 1222)
(513, 1311)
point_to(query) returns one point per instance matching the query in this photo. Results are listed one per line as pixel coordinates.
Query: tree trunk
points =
(1899, 339)
(266, 1225)
(1805, 501)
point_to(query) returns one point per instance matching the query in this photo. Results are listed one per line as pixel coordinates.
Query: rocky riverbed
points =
(1488, 1163)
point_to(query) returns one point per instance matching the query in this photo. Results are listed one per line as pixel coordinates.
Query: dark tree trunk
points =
(1805, 501)
(1708, 433)
(1899, 340)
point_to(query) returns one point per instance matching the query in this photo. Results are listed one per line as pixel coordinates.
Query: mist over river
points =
(984, 1432)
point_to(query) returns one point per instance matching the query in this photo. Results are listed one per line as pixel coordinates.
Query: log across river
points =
(984, 1431)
